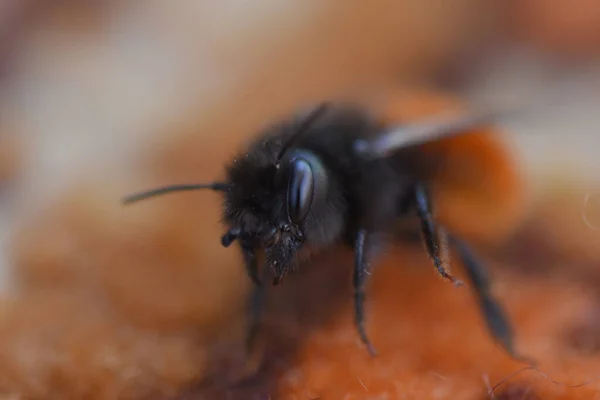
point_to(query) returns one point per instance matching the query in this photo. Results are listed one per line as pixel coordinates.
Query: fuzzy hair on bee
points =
(338, 176)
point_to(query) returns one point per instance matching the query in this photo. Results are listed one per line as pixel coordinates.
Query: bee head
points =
(289, 209)
(277, 197)
(302, 184)
(283, 199)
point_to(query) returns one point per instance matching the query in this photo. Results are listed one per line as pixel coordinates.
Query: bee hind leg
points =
(495, 317)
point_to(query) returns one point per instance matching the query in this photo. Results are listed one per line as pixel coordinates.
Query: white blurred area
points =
(561, 136)
(85, 105)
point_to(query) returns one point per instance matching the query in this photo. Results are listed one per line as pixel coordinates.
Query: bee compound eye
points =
(301, 189)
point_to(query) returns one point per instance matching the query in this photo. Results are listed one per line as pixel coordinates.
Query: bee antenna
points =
(306, 123)
(217, 186)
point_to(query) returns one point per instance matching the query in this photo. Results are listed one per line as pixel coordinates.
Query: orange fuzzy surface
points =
(429, 335)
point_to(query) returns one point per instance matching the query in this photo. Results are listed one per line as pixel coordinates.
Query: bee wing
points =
(439, 127)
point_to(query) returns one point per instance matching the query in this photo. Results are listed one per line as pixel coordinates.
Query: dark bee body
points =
(304, 186)
(357, 191)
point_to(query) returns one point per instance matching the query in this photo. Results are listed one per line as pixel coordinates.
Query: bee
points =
(339, 175)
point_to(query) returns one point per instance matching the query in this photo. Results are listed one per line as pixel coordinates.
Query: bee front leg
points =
(430, 231)
(254, 347)
(257, 305)
(249, 253)
(361, 271)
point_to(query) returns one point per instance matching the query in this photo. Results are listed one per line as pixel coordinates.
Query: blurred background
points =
(100, 98)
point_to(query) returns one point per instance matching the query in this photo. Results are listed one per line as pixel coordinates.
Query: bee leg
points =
(430, 231)
(253, 354)
(493, 313)
(250, 261)
(257, 305)
(359, 277)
